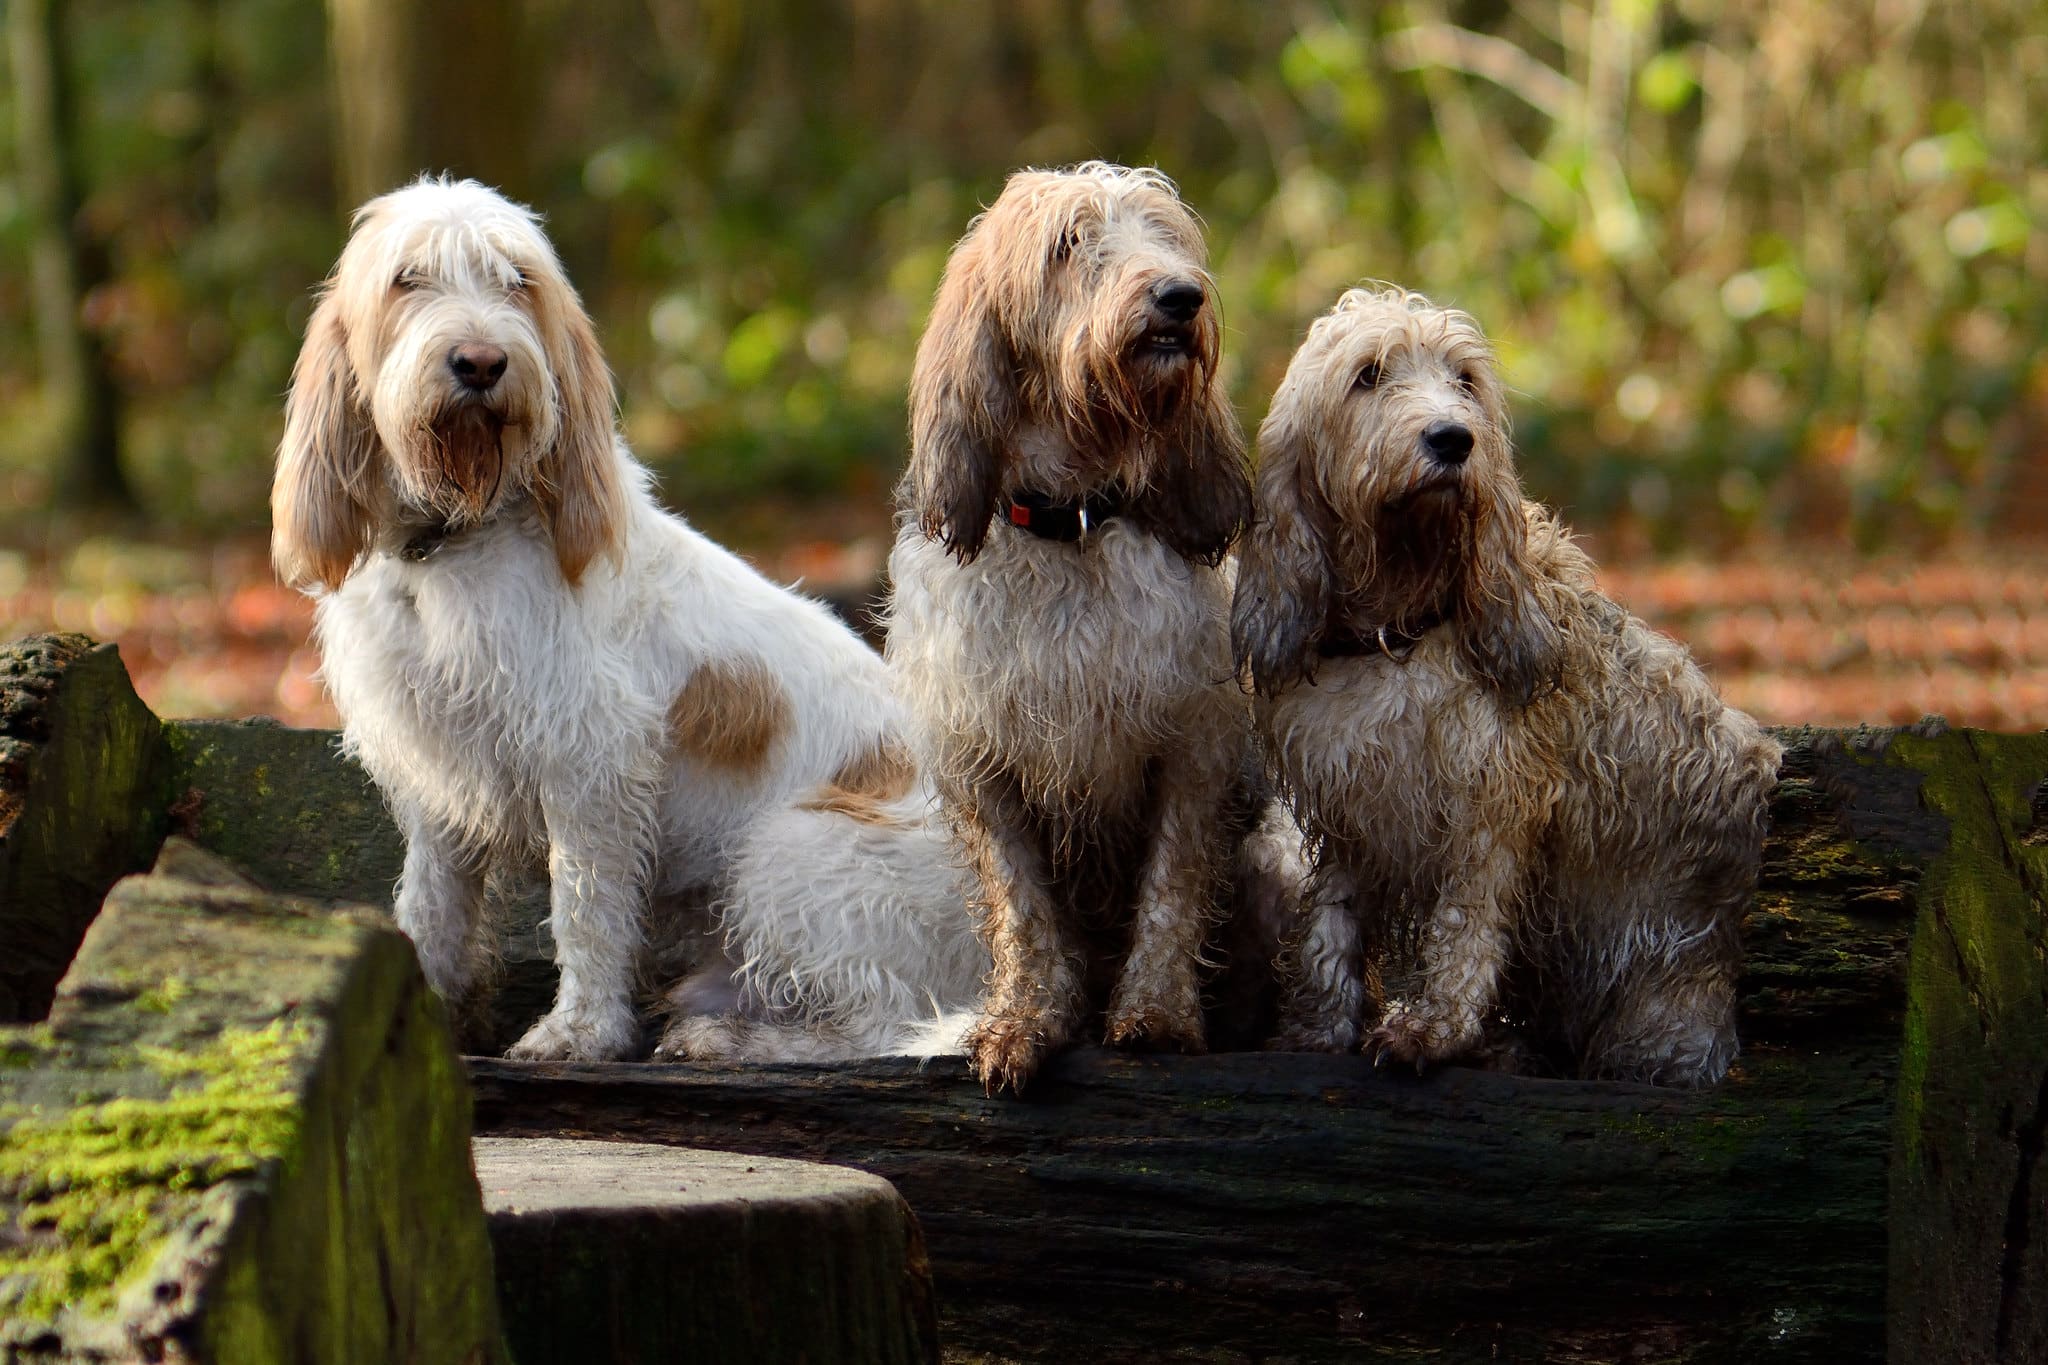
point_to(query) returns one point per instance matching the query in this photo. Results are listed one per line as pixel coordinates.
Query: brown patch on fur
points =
(884, 770)
(730, 714)
(859, 807)
(866, 783)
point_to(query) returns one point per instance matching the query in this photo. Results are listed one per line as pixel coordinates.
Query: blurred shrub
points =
(1753, 267)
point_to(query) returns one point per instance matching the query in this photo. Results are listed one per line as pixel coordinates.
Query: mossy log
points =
(1869, 1181)
(241, 1135)
(1256, 1206)
(81, 767)
(626, 1252)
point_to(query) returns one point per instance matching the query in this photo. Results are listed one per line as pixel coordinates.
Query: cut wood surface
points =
(630, 1252)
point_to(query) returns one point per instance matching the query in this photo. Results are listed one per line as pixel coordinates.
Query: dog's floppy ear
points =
(1508, 630)
(320, 513)
(579, 484)
(1200, 493)
(963, 405)
(1282, 607)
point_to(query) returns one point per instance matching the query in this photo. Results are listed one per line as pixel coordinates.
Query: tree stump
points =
(623, 1251)
(81, 763)
(242, 1135)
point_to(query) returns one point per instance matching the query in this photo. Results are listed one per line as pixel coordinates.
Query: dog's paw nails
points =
(1005, 1054)
(1419, 1038)
(559, 1038)
(1154, 1029)
(1399, 1038)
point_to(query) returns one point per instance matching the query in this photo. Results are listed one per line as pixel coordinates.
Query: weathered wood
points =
(1969, 1186)
(241, 1135)
(1309, 1207)
(1244, 1205)
(1327, 1211)
(80, 762)
(624, 1251)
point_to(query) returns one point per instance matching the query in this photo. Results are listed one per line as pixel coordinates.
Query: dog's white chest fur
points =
(1078, 661)
(472, 677)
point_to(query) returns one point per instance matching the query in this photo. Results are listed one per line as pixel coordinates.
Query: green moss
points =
(164, 995)
(100, 1187)
(1707, 1138)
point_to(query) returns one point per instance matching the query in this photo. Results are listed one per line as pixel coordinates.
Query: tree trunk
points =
(64, 265)
(407, 106)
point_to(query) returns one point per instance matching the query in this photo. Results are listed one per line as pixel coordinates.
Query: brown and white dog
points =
(1522, 800)
(543, 670)
(1059, 624)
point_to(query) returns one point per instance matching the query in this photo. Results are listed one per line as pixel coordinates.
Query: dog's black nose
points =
(477, 364)
(1178, 299)
(1448, 442)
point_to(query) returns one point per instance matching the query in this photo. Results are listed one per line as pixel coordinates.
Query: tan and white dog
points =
(542, 669)
(1523, 801)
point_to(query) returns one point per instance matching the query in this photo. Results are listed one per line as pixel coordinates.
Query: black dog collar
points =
(426, 543)
(1064, 521)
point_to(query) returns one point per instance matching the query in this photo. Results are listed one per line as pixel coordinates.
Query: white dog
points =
(541, 667)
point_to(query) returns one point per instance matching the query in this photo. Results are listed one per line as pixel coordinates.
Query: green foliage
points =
(1756, 265)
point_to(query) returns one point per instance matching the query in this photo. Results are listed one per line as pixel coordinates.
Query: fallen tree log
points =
(1824, 1204)
(1870, 1181)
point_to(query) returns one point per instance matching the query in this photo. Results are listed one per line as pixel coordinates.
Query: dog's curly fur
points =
(542, 669)
(1527, 802)
(1076, 700)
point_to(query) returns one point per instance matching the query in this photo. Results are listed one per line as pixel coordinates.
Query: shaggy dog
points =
(542, 669)
(1058, 620)
(1532, 796)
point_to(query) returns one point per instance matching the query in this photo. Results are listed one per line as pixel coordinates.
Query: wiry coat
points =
(539, 667)
(1522, 800)
(1075, 699)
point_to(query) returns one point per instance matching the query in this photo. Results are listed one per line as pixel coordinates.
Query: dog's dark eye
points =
(407, 280)
(1064, 248)
(1468, 380)
(1369, 377)
(517, 284)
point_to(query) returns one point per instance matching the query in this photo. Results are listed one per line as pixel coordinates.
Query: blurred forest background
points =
(1767, 276)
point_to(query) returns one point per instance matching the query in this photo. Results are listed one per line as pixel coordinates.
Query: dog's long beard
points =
(467, 462)
(1422, 557)
(1122, 408)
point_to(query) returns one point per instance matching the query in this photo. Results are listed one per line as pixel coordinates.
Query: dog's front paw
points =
(1006, 1052)
(699, 1038)
(1154, 1026)
(1418, 1037)
(576, 1036)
